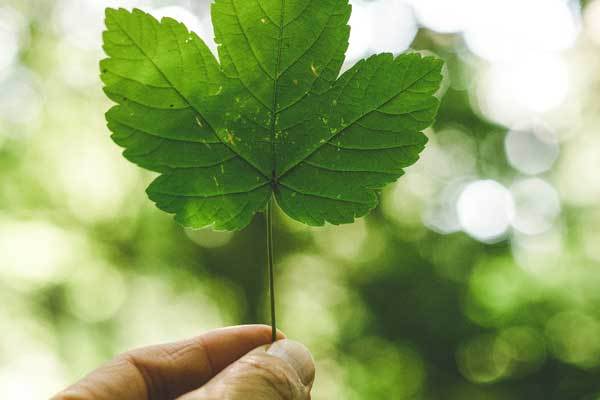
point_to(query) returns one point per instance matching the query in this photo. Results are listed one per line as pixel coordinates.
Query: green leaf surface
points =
(271, 117)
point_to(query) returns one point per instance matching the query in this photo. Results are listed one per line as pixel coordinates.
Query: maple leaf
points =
(271, 117)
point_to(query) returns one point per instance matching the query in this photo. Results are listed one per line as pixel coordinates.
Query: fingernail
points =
(298, 356)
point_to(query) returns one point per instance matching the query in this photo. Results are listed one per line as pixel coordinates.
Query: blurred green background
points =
(478, 277)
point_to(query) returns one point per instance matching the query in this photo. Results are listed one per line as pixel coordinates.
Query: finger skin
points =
(163, 372)
(256, 376)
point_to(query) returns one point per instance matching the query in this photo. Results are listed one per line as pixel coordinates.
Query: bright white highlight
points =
(537, 206)
(485, 209)
(379, 26)
(33, 252)
(506, 29)
(442, 215)
(12, 29)
(180, 14)
(531, 151)
(592, 21)
(510, 92)
(200, 24)
(20, 102)
(445, 16)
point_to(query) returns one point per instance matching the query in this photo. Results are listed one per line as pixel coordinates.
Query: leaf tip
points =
(109, 12)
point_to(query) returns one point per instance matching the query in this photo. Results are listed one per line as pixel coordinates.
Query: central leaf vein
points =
(276, 94)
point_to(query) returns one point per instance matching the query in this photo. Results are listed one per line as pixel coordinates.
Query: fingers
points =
(169, 370)
(282, 371)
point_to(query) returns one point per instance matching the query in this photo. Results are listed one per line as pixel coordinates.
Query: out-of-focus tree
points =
(477, 278)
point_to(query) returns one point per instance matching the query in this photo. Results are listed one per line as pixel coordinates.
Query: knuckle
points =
(153, 382)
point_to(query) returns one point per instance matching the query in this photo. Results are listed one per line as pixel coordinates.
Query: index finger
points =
(169, 370)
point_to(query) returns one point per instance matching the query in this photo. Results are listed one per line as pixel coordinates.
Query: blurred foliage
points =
(444, 292)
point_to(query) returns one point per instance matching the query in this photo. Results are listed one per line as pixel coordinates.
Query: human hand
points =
(227, 364)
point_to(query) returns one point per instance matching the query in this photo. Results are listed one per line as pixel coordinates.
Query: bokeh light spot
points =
(536, 206)
(511, 92)
(531, 151)
(96, 293)
(445, 16)
(35, 252)
(485, 209)
(13, 36)
(575, 338)
(503, 30)
(379, 26)
(400, 370)
(484, 359)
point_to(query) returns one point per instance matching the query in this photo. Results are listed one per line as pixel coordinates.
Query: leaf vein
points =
(322, 196)
(293, 166)
(245, 35)
(210, 196)
(177, 90)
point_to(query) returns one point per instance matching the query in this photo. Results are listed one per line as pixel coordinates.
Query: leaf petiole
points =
(269, 218)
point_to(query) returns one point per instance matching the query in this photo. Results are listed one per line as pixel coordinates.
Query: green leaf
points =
(272, 117)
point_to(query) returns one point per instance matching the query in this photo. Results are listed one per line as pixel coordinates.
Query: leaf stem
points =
(269, 216)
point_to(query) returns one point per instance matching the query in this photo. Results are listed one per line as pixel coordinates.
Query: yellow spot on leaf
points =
(229, 138)
(313, 68)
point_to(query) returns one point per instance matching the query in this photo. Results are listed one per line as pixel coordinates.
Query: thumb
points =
(283, 370)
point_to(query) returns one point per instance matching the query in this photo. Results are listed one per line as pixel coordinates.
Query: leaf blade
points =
(271, 117)
(158, 121)
(381, 138)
